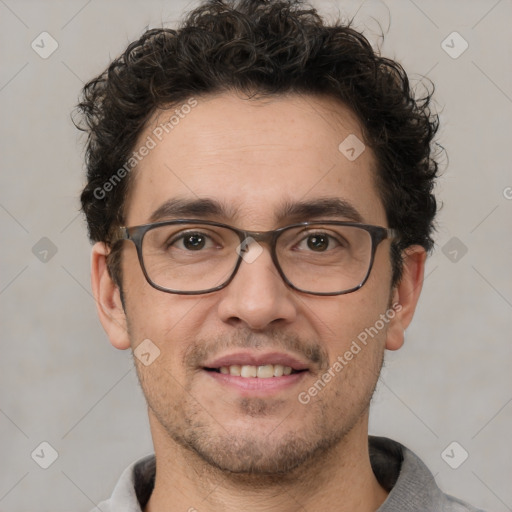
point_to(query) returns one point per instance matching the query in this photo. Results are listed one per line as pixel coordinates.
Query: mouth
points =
(246, 371)
(256, 364)
(255, 372)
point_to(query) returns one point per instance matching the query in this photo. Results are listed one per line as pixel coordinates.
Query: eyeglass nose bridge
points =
(247, 240)
(265, 237)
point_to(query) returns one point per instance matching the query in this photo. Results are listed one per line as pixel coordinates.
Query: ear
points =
(406, 294)
(108, 299)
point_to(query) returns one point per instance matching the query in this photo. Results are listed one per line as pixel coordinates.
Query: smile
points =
(247, 371)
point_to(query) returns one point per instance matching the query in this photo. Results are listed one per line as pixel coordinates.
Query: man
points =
(259, 191)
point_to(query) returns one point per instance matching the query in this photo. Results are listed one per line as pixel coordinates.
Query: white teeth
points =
(262, 372)
(278, 370)
(265, 372)
(248, 371)
(235, 369)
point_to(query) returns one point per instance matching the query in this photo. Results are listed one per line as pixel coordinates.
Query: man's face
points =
(252, 157)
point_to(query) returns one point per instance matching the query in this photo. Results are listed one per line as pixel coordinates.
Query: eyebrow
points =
(191, 208)
(321, 207)
(289, 210)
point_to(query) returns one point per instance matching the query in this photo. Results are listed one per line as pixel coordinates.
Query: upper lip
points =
(257, 359)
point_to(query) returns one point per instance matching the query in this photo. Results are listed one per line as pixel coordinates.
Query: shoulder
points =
(410, 483)
(133, 488)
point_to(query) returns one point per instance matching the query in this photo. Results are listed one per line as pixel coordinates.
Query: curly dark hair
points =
(261, 48)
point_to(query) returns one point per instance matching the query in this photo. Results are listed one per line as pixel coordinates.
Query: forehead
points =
(256, 158)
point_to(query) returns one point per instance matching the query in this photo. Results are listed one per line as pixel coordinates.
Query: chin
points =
(251, 454)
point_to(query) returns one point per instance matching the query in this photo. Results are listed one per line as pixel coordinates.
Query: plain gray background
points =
(62, 382)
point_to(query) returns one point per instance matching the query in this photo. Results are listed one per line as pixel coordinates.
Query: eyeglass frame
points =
(136, 235)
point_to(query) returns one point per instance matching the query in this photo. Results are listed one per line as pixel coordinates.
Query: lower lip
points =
(255, 385)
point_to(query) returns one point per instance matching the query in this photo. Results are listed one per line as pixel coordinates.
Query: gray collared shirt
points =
(410, 484)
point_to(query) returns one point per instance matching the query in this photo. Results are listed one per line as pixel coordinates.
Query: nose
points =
(257, 296)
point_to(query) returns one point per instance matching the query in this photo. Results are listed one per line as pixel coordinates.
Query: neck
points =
(341, 480)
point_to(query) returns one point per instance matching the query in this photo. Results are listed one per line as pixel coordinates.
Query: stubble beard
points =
(256, 455)
(251, 452)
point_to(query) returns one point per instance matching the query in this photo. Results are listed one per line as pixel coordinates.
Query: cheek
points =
(166, 320)
(339, 321)
(163, 388)
(156, 315)
(171, 323)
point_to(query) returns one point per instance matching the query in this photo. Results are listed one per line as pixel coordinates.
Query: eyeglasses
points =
(191, 257)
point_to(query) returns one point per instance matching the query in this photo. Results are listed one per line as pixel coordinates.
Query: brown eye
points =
(194, 241)
(318, 243)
